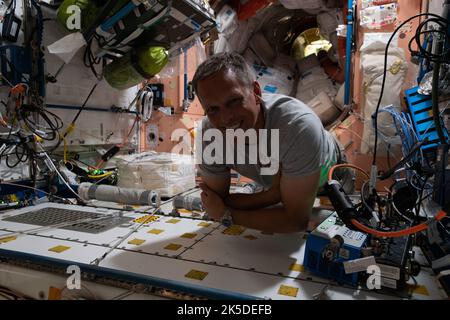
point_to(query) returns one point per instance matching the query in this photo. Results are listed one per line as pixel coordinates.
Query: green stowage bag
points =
(88, 13)
(135, 66)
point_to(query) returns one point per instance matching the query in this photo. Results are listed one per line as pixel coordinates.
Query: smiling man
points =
(232, 99)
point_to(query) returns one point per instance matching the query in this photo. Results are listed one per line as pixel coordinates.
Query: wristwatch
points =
(227, 219)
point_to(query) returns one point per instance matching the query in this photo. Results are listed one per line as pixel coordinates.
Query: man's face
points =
(228, 103)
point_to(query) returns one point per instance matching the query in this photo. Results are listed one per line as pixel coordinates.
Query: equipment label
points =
(358, 265)
(389, 283)
(389, 272)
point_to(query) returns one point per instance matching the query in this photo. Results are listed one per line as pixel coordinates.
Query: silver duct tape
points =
(188, 203)
(91, 191)
(88, 191)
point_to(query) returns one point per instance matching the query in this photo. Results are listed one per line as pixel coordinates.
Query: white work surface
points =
(250, 263)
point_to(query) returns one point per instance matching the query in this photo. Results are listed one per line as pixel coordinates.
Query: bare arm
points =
(253, 201)
(221, 185)
(218, 184)
(258, 200)
(297, 197)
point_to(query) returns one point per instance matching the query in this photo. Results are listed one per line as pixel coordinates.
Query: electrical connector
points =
(110, 153)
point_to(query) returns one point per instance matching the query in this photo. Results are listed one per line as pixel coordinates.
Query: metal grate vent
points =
(52, 216)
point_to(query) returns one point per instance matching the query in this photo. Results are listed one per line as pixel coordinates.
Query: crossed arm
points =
(296, 195)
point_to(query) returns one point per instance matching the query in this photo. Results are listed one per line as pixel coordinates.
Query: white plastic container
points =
(167, 173)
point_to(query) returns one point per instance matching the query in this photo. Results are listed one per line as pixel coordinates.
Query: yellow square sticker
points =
(136, 242)
(155, 231)
(173, 221)
(420, 289)
(250, 237)
(54, 293)
(173, 246)
(59, 249)
(7, 239)
(297, 267)
(196, 274)
(288, 291)
(189, 235)
(234, 230)
(204, 224)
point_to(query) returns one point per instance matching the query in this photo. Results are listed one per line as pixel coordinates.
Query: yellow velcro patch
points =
(136, 242)
(59, 249)
(297, 267)
(173, 246)
(288, 291)
(189, 235)
(419, 290)
(155, 231)
(204, 224)
(54, 293)
(234, 230)
(7, 239)
(173, 221)
(196, 274)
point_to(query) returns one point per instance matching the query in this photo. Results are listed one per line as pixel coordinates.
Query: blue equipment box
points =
(325, 259)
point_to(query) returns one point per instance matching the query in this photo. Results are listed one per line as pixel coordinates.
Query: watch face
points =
(226, 222)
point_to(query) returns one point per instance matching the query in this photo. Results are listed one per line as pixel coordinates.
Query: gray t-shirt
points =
(304, 145)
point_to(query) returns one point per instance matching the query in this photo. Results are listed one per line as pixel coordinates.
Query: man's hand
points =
(212, 202)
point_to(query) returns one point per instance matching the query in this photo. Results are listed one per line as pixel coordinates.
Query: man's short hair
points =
(227, 61)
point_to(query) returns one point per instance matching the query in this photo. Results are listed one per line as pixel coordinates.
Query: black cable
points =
(388, 157)
(363, 197)
(375, 115)
(10, 4)
(19, 158)
(430, 56)
(417, 53)
(76, 117)
(83, 105)
(421, 198)
(403, 161)
(22, 152)
(51, 130)
(90, 60)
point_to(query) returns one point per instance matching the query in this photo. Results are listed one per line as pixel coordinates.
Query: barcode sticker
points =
(354, 235)
(389, 283)
(389, 272)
